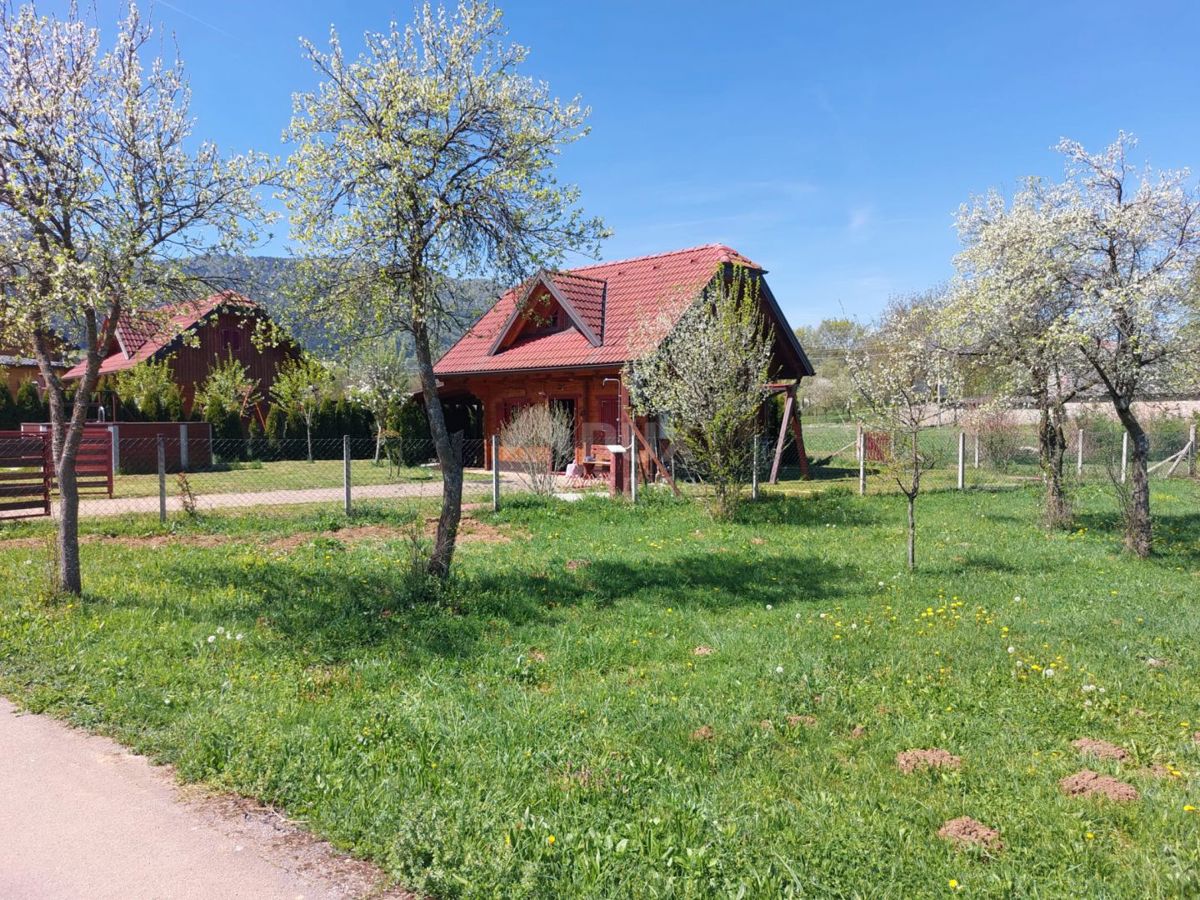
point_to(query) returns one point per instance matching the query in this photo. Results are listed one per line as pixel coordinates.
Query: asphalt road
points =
(82, 817)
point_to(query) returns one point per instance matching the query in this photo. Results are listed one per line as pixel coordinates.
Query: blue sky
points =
(830, 142)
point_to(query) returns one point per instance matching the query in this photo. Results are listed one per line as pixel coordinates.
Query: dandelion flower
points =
(211, 638)
(1088, 688)
(769, 606)
(1012, 649)
(779, 670)
(1048, 673)
(239, 636)
(220, 629)
(550, 839)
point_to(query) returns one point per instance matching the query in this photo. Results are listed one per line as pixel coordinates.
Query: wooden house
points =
(18, 365)
(565, 337)
(193, 336)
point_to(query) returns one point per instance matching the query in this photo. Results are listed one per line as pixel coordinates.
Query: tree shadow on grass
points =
(831, 507)
(713, 581)
(331, 613)
(1176, 535)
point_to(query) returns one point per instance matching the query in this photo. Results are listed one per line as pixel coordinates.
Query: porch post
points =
(798, 431)
(783, 427)
(495, 473)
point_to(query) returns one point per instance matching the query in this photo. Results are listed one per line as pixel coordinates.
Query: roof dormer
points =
(553, 302)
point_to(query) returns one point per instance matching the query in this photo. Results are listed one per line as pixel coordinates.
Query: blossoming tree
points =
(429, 156)
(904, 378)
(103, 194)
(1132, 242)
(709, 377)
(300, 388)
(1009, 310)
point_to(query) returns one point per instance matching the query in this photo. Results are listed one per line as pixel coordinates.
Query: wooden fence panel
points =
(94, 464)
(24, 475)
(879, 446)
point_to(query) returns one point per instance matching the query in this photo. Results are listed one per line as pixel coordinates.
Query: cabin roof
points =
(613, 300)
(142, 337)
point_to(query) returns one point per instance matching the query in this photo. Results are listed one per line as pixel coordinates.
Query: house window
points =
(231, 339)
(509, 410)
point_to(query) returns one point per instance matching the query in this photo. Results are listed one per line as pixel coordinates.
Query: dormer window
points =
(547, 306)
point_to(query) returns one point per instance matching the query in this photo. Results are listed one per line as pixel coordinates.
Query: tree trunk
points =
(70, 573)
(65, 438)
(911, 496)
(378, 443)
(449, 454)
(912, 532)
(308, 435)
(1139, 536)
(1052, 444)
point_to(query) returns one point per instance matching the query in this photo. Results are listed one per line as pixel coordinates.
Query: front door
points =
(563, 455)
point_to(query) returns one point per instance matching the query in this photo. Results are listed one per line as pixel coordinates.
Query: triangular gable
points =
(562, 299)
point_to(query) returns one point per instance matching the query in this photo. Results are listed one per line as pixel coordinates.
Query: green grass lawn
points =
(548, 730)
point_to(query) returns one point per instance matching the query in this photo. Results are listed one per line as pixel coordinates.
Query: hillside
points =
(267, 279)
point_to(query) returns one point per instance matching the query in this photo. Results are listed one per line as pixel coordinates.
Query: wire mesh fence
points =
(164, 477)
(167, 477)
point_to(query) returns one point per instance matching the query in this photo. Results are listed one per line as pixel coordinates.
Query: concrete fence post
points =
(1192, 451)
(162, 479)
(862, 461)
(962, 460)
(977, 449)
(183, 446)
(346, 469)
(633, 473)
(115, 433)
(1124, 456)
(495, 473)
(1079, 454)
(754, 469)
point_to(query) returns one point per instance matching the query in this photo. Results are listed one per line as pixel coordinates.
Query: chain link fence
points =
(1005, 455)
(164, 478)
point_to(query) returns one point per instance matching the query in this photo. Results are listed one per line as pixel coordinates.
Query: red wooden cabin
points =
(564, 338)
(193, 336)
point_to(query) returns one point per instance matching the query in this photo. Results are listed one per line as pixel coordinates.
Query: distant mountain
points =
(267, 279)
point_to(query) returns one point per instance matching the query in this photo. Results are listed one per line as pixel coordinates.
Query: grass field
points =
(549, 729)
(283, 475)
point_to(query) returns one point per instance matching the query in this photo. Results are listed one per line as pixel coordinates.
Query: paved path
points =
(81, 817)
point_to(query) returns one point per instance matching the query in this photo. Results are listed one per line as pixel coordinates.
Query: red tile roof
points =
(634, 291)
(141, 337)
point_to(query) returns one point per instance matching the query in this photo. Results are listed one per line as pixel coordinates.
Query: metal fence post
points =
(862, 461)
(962, 460)
(162, 479)
(754, 470)
(1124, 456)
(495, 473)
(1079, 454)
(346, 469)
